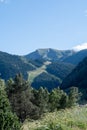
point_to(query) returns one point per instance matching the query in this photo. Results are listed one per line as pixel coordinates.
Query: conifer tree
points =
(63, 101)
(43, 98)
(20, 97)
(54, 99)
(74, 96)
(8, 120)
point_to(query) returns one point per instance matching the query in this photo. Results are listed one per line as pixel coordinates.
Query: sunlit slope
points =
(69, 119)
(38, 71)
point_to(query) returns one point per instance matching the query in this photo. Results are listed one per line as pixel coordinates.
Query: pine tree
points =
(54, 99)
(43, 98)
(74, 96)
(63, 101)
(8, 120)
(20, 97)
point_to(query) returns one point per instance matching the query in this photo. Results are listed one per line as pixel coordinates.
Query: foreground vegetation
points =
(68, 119)
(19, 102)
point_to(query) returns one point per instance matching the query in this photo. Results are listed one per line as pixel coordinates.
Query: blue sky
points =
(26, 25)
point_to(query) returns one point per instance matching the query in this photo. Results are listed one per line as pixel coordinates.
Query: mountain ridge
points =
(10, 65)
(49, 54)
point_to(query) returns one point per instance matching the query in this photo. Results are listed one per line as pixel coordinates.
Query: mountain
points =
(38, 72)
(50, 54)
(78, 78)
(44, 67)
(68, 56)
(10, 65)
(77, 57)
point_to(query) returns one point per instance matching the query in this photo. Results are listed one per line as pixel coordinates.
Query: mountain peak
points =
(50, 54)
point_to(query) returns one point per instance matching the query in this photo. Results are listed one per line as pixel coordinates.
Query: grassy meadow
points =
(68, 119)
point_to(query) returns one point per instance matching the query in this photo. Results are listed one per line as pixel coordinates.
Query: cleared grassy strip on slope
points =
(69, 119)
(38, 71)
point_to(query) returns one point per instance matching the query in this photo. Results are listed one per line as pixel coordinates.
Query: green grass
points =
(69, 119)
(33, 74)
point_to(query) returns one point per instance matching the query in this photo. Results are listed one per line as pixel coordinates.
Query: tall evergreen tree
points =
(8, 120)
(43, 98)
(63, 101)
(54, 99)
(20, 95)
(74, 96)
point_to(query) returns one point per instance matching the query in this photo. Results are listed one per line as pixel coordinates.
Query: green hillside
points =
(46, 80)
(60, 69)
(77, 78)
(77, 57)
(10, 65)
(49, 75)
